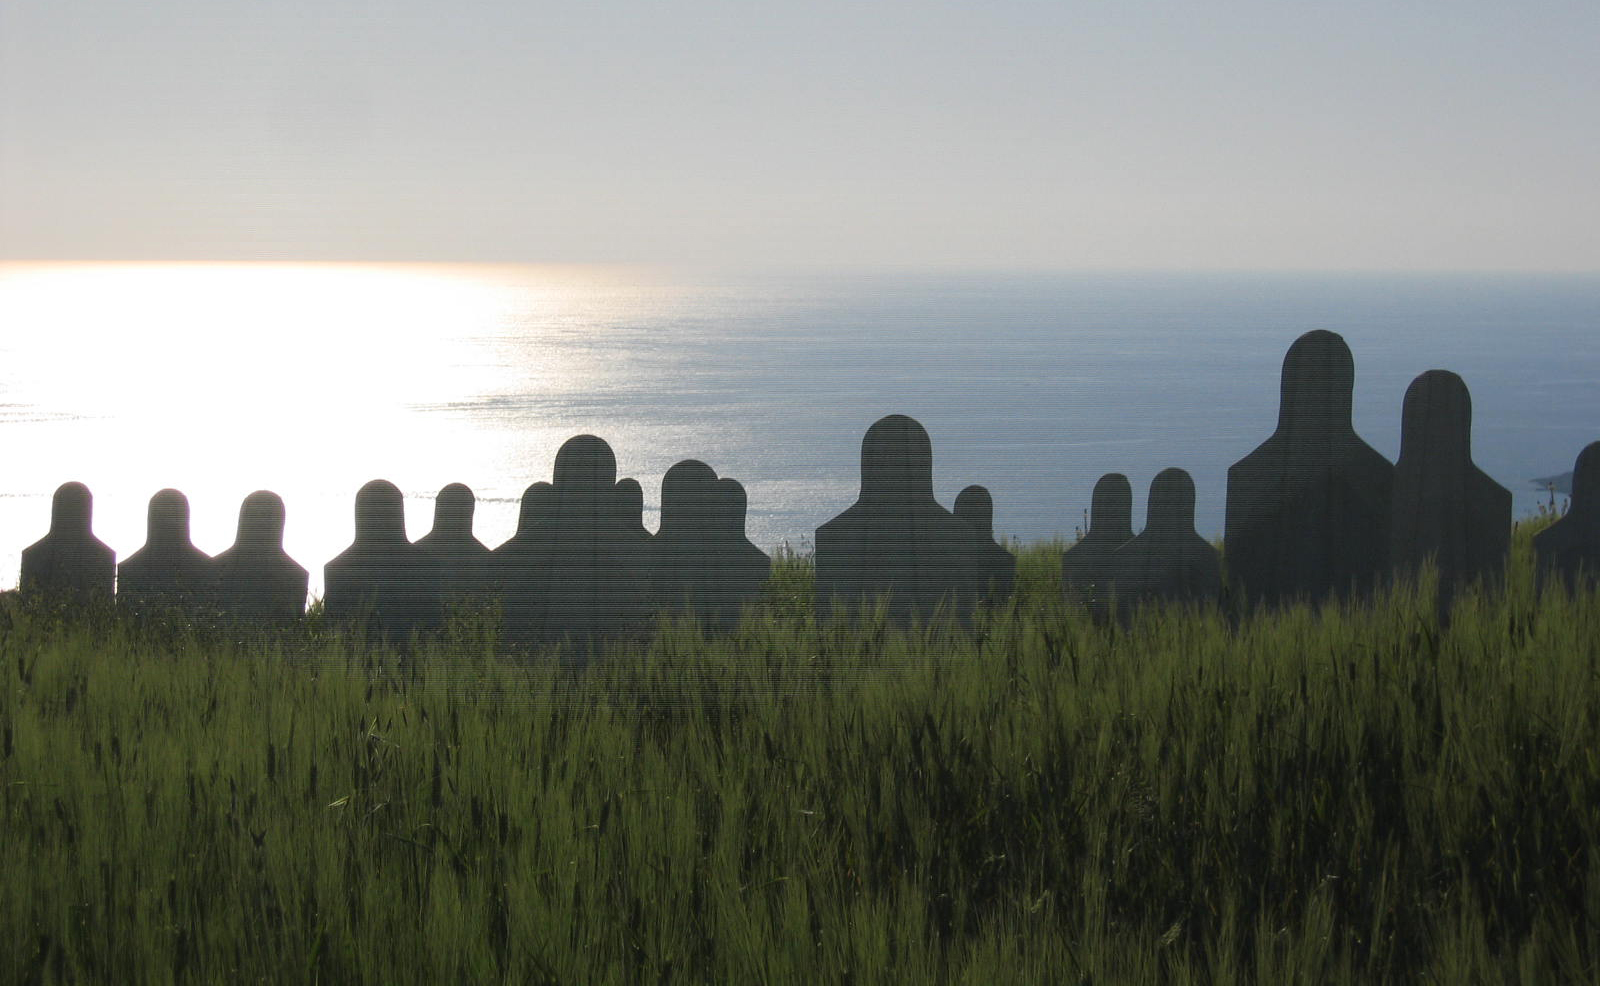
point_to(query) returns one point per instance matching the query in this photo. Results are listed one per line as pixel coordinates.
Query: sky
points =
(1360, 134)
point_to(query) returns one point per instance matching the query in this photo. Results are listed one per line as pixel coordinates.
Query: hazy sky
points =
(1388, 134)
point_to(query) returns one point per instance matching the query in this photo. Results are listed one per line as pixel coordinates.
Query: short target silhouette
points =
(631, 540)
(1168, 561)
(744, 567)
(463, 560)
(1445, 507)
(578, 566)
(994, 567)
(516, 574)
(896, 540)
(169, 571)
(1568, 551)
(70, 561)
(1308, 511)
(256, 579)
(1086, 566)
(702, 563)
(382, 577)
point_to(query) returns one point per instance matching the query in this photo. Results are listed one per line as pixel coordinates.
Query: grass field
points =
(1350, 795)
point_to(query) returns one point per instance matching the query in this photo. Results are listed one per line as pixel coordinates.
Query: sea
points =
(218, 379)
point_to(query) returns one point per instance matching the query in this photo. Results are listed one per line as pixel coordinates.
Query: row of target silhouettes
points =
(580, 560)
(1313, 512)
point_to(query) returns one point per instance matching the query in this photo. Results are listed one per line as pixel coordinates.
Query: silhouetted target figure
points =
(994, 566)
(1086, 566)
(463, 560)
(169, 571)
(1168, 561)
(518, 579)
(257, 581)
(681, 566)
(1308, 511)
(589, 562)
(1569, 549)
(702, 563)
(1445, 507)
(745, 568)
(382, 576)
(896, 539)
(630, 508)
(70, 561)
(632, 545)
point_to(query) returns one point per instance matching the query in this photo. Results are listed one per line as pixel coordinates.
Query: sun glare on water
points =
(220, 378)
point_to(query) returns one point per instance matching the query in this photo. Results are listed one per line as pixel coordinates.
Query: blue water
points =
(1036, 384)
(1033, 385)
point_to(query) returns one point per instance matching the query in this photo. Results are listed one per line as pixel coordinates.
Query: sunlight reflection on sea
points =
(310, 379)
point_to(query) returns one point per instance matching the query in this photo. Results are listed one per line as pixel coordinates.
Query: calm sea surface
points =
(219, 379)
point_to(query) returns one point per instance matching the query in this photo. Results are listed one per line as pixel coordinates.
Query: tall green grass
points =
(1355, 794)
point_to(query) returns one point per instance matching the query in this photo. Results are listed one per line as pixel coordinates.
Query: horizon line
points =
(798, 267)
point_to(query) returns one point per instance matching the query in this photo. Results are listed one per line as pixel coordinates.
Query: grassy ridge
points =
(1355, 795)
